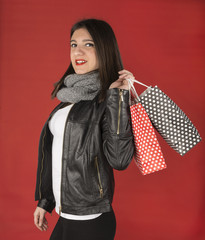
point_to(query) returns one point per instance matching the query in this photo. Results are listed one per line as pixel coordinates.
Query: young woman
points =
(85, 137)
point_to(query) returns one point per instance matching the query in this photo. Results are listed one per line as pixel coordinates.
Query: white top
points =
(57, 125)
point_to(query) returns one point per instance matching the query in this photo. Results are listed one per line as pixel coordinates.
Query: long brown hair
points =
(107, 52)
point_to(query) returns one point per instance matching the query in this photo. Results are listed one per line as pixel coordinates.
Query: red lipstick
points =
(80, 61)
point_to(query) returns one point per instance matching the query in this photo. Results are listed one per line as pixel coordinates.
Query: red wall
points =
(162, 43)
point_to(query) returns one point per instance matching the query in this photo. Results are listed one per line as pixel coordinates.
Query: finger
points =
(40, 228)
(116, 84)
(45, 220)
(119, 79)
(123, 75)
(45, 223)
(124, 87)
(126, 76)
(36, 219)
(125, 83)
(44, 227)
(124, 71)
(128, 80)
(41, 221)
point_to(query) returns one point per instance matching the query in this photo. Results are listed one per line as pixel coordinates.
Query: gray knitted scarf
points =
(80, 87)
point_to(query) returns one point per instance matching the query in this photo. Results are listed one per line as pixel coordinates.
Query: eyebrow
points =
(84, 40)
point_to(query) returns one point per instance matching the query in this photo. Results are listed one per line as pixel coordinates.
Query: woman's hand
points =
(39, 219)
(122, 82)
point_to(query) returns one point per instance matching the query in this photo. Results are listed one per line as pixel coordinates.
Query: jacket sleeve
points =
(44, 193)
(118, 143)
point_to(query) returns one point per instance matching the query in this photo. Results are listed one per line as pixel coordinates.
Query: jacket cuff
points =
(46, 205)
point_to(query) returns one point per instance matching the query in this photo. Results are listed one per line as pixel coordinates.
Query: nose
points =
(78, 51)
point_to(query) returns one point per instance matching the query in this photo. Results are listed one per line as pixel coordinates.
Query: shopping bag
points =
(148, 155)
(169, 120)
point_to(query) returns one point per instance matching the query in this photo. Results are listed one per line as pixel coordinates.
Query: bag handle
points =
(132, 88)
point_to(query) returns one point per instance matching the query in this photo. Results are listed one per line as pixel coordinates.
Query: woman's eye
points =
(89, 44)
(73, 45)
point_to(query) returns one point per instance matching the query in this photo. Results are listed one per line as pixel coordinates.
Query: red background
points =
(162, 43)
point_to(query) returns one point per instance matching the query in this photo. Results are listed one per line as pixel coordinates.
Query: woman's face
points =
(83, 53)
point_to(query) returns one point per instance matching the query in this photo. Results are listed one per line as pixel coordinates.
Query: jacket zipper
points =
(60, 207)
(119, 110)
(42, 164)
(99, 178)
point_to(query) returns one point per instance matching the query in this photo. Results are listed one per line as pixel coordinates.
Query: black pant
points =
(100, 228)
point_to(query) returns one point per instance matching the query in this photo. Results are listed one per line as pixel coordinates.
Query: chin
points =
(81, 71)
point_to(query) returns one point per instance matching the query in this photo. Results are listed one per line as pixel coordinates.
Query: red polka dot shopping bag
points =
(148, 155)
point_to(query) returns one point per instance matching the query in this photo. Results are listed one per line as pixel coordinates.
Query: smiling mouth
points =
(80, 62)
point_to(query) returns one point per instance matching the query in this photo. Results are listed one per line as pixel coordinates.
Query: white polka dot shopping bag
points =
(168, 119)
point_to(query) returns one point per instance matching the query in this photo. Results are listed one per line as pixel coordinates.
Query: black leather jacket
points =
(97, 138)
